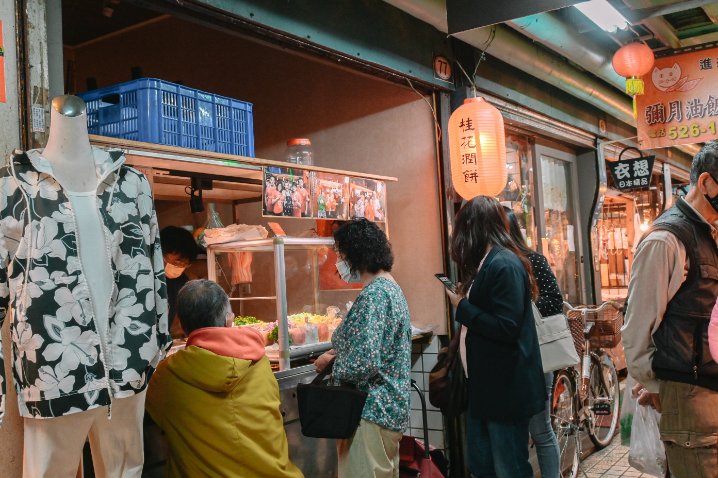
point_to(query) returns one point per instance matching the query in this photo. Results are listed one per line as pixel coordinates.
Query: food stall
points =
(285, 287)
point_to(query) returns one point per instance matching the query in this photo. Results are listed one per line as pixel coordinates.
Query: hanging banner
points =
(3, 97)
(680, 104)
(630, 174)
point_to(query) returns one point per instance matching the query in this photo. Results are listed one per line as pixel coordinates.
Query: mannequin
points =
(68, 147)
(90, 296)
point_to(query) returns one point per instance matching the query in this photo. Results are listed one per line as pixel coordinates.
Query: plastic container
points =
(299, 151)
(213, 222)
(157, 111)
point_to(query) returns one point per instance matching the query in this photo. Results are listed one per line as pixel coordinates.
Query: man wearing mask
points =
(673, 288)
(178, 251)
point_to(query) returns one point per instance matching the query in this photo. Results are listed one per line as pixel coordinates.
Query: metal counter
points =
(316, 457)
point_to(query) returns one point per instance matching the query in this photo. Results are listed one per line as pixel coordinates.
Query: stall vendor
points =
(178, 251)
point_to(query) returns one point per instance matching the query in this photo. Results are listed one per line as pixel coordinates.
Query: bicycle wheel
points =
(603, 401)
(563, 419)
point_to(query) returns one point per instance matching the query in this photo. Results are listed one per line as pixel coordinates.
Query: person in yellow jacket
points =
(217, 400)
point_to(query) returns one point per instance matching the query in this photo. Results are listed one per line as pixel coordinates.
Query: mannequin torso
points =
(68, 148)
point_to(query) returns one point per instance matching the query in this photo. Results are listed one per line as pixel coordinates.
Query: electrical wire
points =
(482, 57)
(431, 107)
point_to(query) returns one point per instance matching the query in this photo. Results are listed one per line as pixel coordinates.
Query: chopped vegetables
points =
(246, 320)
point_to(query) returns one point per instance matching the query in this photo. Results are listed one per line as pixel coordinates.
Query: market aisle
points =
(610, 462)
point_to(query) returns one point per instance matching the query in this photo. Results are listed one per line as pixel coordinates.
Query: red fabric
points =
(237, 342)
(412, 461)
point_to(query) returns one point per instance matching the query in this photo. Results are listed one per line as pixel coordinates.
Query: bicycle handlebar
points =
(586, 309)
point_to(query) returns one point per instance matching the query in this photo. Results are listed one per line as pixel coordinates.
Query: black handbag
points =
(329, 411)
(447, 381)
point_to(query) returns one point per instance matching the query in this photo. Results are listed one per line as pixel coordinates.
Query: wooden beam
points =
(203, 159)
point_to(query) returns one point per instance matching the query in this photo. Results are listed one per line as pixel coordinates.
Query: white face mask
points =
(345, 272)
(172, 271)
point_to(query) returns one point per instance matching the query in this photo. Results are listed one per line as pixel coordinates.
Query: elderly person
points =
(217, 400)
(372, 350)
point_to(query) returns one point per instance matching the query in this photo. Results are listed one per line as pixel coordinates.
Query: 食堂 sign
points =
(680, 103)
(629, 174)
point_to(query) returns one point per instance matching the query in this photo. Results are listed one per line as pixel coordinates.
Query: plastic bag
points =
(647, 454)
(628, 408)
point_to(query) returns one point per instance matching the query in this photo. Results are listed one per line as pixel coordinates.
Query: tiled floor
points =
(610, 462)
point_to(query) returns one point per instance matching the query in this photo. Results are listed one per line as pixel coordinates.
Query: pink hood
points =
(237, 342)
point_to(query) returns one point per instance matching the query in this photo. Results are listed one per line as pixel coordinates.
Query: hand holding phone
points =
(447, 282)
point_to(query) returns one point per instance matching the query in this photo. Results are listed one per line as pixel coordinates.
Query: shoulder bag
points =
(447, 381)
(329, 411)
(556, 342)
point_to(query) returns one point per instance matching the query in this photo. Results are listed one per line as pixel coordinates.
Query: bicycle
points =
(588, 398)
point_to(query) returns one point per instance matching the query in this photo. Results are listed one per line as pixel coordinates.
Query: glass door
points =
(560, 240)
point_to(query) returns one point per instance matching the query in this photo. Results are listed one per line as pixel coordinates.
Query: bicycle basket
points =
(606, 330)
(575, 324)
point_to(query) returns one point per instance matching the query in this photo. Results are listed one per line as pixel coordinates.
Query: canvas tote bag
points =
(557, 348)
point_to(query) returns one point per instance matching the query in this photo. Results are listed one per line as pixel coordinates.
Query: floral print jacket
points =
(61, 364)
(373, 352)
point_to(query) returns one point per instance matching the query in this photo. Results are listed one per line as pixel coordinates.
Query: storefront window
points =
(625, 218)
(518, 194)
(559, 240)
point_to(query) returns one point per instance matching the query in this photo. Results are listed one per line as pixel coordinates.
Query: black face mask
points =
(713, 200)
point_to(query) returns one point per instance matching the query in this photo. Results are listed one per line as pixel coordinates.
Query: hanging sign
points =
(680, 102)
(630, 174)
(463, 15)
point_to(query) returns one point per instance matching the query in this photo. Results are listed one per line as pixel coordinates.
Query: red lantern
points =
(633, 61)
(478, 149)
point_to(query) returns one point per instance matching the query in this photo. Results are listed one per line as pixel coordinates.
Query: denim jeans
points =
(498, 449)
(544, 438)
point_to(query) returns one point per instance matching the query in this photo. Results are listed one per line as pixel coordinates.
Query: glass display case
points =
(288, 288)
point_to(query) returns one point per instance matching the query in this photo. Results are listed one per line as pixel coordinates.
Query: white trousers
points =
(53, 446)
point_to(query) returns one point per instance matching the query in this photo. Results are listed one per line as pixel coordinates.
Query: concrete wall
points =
(355, 122)
(11, 435)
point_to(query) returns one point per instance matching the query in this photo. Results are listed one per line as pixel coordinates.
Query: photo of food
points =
(367, 199)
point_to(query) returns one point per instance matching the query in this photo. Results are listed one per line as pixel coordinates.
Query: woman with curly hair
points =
(372, 350)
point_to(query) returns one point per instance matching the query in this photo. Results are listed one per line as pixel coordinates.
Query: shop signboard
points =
(298, 193)
(463, 15)
(630, 174)
(680, 103)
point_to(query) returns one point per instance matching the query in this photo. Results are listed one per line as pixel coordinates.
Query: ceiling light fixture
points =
(603, 14)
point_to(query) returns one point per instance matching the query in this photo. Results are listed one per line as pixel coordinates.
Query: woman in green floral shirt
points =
(372, 349)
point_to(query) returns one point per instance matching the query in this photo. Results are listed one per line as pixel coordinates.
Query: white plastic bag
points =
(647, 454)
(628, 408)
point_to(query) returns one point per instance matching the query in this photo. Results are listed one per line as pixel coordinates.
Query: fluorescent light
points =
(603, 14)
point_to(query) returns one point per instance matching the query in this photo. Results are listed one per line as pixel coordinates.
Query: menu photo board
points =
(298, 193)
(680, 102)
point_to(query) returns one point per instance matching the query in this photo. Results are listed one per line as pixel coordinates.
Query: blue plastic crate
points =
(157, 111)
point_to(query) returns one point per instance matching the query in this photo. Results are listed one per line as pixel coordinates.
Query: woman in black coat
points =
(549, 302)
(499, 346)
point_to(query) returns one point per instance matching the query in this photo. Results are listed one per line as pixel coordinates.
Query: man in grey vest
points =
(673, 288)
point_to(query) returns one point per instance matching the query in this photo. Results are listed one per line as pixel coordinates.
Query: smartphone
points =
(447, 282)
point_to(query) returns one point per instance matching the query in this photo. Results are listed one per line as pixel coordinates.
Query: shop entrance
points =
(560, 237)
(356, 122)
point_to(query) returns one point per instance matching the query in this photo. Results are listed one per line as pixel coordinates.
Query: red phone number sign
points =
(680, 104)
